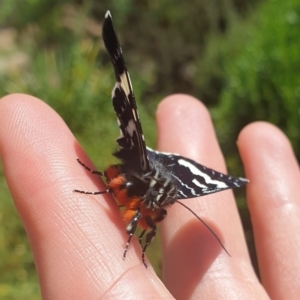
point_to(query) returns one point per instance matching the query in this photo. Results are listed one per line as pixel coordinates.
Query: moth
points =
(147, 182)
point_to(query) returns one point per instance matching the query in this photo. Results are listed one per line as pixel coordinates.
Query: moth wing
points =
(193, 179)
(131, 141)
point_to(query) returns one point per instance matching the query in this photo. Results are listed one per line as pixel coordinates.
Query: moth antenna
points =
(213, 233)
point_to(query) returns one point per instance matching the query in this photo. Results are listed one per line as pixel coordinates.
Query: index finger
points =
(77, 240)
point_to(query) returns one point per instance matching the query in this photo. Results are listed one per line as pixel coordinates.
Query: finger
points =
(274, 204)
(77, 239)
(194, 263)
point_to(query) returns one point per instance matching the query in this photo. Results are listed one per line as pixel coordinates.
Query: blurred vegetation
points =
(239, 57)
(262, 76)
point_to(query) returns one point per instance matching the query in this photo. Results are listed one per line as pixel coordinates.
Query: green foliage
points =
(46, 15)
(262, 75)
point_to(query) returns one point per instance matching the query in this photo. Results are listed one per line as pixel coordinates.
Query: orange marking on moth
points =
(112, 172)
(132, 204)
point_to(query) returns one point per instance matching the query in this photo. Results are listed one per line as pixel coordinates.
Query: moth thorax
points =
(161, 190)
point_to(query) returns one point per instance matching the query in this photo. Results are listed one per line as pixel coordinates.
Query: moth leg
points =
(89, 169)
(93, 193)
(141, 236)
(93, 172)
(149, 237)
(131, 228)
(161, 214)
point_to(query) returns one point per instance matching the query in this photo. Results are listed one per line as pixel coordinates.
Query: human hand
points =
(78, 241)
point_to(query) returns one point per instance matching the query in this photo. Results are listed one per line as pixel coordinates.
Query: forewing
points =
(132, 145)
(193, 179)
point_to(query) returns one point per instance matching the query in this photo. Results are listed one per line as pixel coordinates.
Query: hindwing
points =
(193, 179)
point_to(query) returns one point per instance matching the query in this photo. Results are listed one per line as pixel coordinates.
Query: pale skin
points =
(78, 240)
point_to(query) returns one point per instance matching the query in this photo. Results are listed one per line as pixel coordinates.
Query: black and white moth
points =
(146, 182)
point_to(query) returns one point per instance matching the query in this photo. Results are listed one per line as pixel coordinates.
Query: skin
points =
(78, 241)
